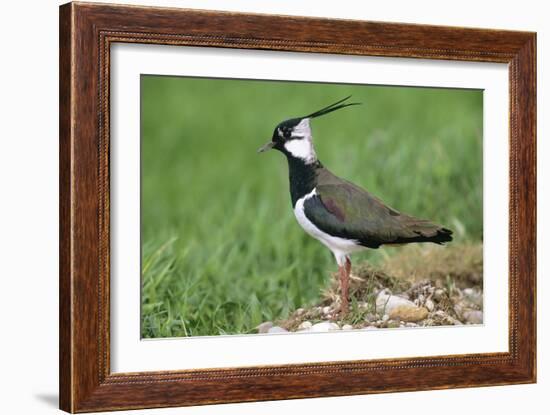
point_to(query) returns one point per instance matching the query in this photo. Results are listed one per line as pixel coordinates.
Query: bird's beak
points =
(267, 146)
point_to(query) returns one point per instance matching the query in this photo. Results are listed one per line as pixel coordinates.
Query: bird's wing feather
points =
(344, 209)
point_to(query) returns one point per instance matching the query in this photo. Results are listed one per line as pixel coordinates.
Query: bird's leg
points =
(348, 267)
(344, 271)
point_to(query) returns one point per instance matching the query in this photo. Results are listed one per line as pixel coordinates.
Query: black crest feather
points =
(332, 107)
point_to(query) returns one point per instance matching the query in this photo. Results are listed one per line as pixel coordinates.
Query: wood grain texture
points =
(86, 33)
(65, 247)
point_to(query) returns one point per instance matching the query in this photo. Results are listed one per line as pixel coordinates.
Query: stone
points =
(305, 325)
(370, 317)
(439, 294)
(458, 309)
(347, 327)
(473, 316)
(326, 310)
(429, 304)
(474, 296)
(264, 327)
(409, 313)
(277, 329)
(392, 324)
(386, 302)
(399, 308)
(324, 327)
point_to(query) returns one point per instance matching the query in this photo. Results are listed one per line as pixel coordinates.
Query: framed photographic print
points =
(253, 208)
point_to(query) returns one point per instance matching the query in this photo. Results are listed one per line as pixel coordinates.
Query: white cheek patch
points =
(301, 148)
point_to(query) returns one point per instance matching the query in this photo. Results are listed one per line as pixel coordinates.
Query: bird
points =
(341, 215)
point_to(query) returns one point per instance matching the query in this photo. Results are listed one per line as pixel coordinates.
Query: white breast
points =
(340, 247)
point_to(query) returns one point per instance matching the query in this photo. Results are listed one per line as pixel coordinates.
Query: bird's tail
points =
(420, 230)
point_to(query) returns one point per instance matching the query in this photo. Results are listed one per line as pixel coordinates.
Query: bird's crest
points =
(332, 107)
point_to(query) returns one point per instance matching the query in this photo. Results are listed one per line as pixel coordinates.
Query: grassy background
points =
(221, 250)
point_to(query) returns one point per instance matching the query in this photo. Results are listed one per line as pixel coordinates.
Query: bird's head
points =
(293, 137)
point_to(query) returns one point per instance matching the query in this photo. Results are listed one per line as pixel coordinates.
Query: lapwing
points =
(341, 215)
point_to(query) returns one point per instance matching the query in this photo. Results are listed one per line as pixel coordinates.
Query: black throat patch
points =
(302, 177)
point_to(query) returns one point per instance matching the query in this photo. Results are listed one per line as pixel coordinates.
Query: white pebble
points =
(474, 296)
(429, 305)
(277, 329)
(473, 316)
(324, 326)
(264, 327)
(439, 294)
(305, 325)
(347, 327)
(387, 303)
(440, 313)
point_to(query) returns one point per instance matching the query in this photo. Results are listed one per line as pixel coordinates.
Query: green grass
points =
(221, 250)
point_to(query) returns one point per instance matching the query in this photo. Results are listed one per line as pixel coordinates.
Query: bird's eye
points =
(287, 132)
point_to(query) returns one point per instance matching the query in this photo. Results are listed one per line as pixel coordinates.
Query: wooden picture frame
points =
(86, 33)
